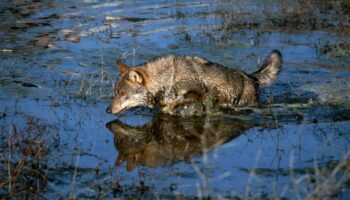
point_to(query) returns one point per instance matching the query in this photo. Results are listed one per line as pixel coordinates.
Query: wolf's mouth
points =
(120, 111)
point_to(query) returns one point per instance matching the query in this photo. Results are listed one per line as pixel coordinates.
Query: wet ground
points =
(57, 68)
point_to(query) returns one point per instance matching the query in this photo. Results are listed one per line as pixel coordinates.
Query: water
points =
(57, 72)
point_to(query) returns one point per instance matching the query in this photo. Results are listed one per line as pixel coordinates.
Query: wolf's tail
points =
(269, 69)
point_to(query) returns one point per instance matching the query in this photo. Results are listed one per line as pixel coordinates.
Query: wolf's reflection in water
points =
(165, 141)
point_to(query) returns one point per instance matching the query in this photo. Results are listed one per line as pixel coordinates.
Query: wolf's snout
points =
(108, 110)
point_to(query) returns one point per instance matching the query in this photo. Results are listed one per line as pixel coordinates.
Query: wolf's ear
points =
(136, 77)
(122, 67)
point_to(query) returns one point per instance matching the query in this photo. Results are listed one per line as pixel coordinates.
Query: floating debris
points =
(130, 19)
(71, 72)
(42, 40)
(72, 38)
(7, 50)
(55, 104)
(3, 115)
(25, 84)
(52, 16)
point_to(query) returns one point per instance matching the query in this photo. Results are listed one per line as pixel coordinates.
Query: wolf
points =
(170, 81)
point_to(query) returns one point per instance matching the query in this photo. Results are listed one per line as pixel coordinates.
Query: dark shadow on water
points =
(165, 141)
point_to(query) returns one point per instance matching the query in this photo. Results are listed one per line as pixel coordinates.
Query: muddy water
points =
(57, 72)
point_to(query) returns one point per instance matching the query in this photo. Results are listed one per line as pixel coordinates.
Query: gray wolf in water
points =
(171, 81)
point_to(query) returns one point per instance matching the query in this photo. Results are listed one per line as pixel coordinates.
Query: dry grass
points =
(97, 84)
(298, 15)
(24, 159)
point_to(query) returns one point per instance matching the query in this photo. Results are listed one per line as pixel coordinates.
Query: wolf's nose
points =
(109, 125)
(108, 110)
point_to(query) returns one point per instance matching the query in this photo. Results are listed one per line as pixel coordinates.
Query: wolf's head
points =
(130, 90)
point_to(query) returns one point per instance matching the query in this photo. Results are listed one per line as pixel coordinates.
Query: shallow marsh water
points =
(57, 67)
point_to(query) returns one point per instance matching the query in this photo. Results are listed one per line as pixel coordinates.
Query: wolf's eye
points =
(122, 94)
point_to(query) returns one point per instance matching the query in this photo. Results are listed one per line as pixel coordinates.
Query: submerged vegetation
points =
(339, 50)
(57, 64)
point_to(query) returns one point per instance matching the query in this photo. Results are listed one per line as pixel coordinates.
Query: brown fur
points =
(171, 80)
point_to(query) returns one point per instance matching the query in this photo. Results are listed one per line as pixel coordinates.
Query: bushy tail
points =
(269, 69)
